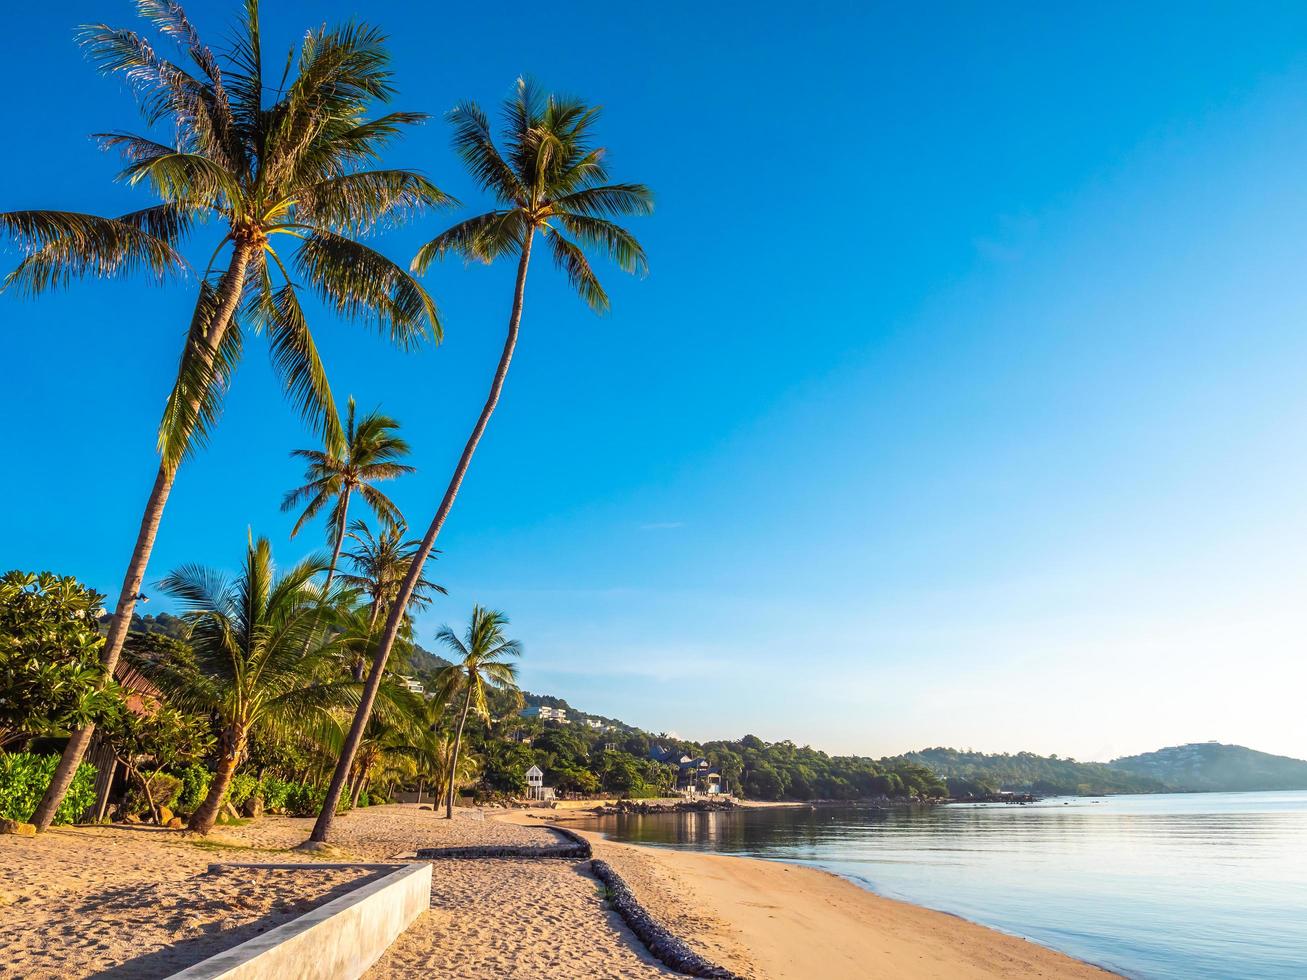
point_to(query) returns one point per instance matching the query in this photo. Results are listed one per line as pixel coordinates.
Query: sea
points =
(1184, 885)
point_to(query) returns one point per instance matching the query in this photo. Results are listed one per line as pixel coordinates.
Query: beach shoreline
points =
(141, 902)
(783, 921)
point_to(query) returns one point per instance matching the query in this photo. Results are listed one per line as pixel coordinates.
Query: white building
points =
(546, 713)
(412, 684)
(535, 785)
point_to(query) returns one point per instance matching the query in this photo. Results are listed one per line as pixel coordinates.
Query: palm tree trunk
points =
(229, 294)
(396, 615)
(331, 570)
(453, 759)
(231, 746)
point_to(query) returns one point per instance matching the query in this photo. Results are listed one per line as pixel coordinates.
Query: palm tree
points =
(552, 181)
(481, 662)
(292, 163)
(251, 671)
(371, 454)
(380, 563)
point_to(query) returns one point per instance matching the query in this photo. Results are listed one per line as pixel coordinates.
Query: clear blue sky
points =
(964, 404)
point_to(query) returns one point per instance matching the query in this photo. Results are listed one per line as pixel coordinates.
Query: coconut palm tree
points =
(262, 659)
(370, 454)
(481, 661)
(551, 180)
(380, 562)
(282, 158)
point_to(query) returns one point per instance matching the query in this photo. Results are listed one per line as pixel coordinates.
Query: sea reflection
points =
(1185, 885)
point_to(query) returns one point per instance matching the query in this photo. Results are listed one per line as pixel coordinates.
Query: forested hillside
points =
(1211, 766)
(980, 773)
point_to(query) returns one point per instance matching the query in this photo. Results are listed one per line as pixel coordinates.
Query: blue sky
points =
(964, 403)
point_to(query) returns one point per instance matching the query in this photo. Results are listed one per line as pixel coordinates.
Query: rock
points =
(165, 816)
(424, 807)
(175, 824)
(318, 847)
(17, 827)
(131, 818)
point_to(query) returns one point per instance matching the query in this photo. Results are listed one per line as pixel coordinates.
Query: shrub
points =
(24, 777)
(195, 787)
(165, 790)
(241, 789)
(275, 793)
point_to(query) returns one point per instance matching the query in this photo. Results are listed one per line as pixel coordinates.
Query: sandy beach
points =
(141, 902)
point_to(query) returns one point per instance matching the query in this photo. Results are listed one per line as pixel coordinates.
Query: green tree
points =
(149, 741)
(293, 168)
(262, 660)
(552, 180)
(481, 661)
(51, 677)
(380, 562)
(371, 453)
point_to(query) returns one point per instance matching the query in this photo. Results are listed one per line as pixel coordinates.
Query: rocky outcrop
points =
(574, 847)
(657, 806)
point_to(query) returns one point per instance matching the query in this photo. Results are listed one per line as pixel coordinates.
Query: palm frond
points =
(66, 245)
(357, 202)
(483, 239)
(294, 356)
(571, 260)
(363, 284)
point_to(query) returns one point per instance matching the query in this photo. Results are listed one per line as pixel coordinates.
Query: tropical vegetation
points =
(272, 159)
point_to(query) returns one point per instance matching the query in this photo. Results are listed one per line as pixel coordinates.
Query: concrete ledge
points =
(335, 941)
(665, 947)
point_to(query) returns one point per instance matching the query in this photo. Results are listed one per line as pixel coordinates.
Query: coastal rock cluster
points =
(577, 848)
(651, 806)
(665, 947)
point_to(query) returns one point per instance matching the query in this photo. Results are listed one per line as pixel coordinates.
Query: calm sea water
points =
(1196, 885)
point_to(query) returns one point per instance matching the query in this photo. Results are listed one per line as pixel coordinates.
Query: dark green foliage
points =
(243, 786)
(24, 777)
(51, 679)
(1026, 772)
(195, 786)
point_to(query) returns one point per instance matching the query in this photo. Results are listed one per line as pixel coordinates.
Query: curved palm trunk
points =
(231, 748)
(229, 294)
(453, 759)
(396, 614)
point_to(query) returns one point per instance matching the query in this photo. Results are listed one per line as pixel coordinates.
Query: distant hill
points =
(1212, 767)
(973, 774)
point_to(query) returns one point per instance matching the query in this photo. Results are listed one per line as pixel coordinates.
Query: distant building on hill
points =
(413, 684)
(545, 713)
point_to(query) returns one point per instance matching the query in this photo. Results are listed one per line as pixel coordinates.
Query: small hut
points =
(535, 785)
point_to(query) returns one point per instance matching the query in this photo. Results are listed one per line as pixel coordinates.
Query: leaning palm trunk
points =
(229, 294)
(453, 759)
(396, 614)
(232, 748)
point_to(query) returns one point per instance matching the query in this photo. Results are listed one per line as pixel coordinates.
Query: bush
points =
(275, 793)
(195, 787)
(165, 790)
(241, 789)
(24, 777)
